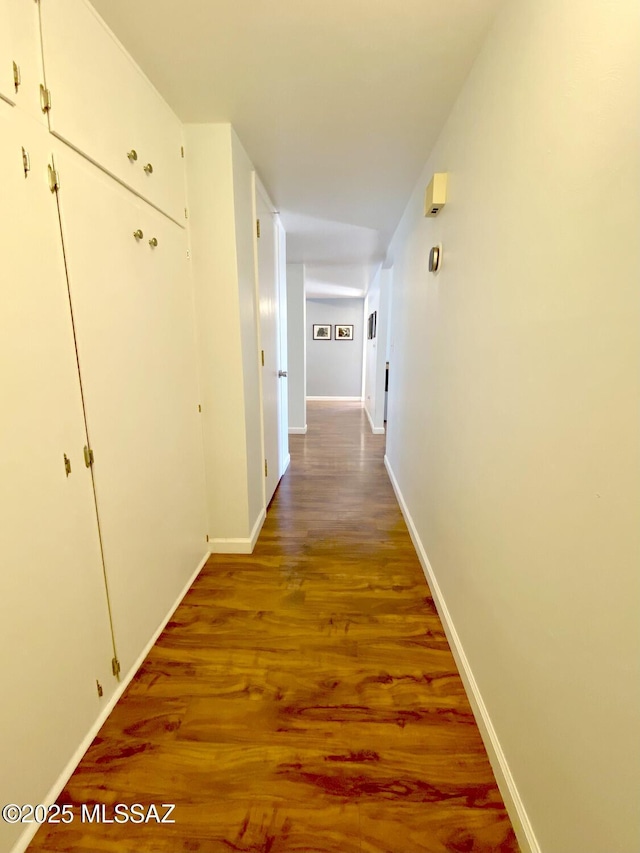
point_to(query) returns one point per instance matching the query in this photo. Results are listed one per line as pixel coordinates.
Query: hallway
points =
(303, 698)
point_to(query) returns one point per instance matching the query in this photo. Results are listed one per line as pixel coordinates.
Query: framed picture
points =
(322, 332)
(344, 333)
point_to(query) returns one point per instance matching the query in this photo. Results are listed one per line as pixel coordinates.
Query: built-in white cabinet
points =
(7, 83)
(133, 310)
(102, 503)
(56, 647)
(9, 60)
(20, 56)
(103, 106)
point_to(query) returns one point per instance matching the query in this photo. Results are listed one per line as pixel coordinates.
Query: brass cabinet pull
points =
(132, 155)
(138, 234)
(153, 242)
(148, 168)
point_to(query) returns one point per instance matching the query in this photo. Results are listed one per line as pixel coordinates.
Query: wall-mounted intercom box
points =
(435, 196)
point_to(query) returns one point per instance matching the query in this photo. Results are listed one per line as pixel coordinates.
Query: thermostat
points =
(435, 257)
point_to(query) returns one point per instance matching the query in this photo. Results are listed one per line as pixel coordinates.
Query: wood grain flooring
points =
(303, 698)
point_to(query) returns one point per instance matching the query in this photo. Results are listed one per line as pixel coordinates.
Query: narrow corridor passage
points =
(303, 698)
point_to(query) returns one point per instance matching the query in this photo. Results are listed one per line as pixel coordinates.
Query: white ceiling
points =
(338, 103)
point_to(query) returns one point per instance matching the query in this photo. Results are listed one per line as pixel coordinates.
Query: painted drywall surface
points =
(297, 346)
(210, 186)
(244, 212)
(334, 368)
(377, 301)
(384, 317)
(514, 426)
(371, 305)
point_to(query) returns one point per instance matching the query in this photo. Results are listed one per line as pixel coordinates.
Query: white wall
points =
(371, 304)
(219, 192)
(244, 212)
(297, 348)
(334, 368)
(514, 420)
(375, 352)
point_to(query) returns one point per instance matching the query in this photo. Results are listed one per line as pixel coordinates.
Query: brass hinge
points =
(26, 162)
(258, 228)
(88, 456)
(45, 98)
(207, 537)
(199, 407)
(115, 667)
(54, 178)
(67, 465)
(182, 151)
(266, 468)
(186, 213)
(17, 77)
(262, 351)
(99, 687)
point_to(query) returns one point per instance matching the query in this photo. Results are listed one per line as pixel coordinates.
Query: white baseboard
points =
(374, 429)
(287, 462)
(298, 430)
(512, 800)
(54, 792)
(239, 545)
(337, 399)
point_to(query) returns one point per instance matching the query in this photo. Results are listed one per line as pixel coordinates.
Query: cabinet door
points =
(133, 312)
(161, 140)
(23, 32)
(104, 107)
(55, 638)
(7, 86)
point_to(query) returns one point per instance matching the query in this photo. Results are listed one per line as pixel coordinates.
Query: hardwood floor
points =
(303, 698)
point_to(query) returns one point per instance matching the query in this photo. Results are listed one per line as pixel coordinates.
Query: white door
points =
(55, 637)
(283, 385)
(269, 340)
(133, 311)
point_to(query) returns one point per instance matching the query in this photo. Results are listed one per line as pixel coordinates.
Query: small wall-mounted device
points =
(435, 258)
(435, 196)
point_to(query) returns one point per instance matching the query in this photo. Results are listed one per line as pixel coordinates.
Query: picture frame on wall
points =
(344, 333)
(321, 332)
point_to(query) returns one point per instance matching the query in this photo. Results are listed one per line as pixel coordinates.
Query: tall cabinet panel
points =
(7, 85)
(133, 313)
(104, 107)
(21, 56)
(56, 639)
